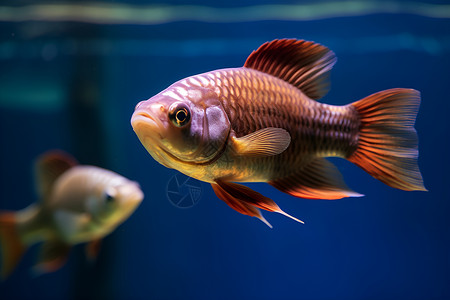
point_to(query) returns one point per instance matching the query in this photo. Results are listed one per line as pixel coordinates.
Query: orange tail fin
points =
(12, 248)
(388, 144)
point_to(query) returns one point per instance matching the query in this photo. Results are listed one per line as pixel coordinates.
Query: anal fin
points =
(320, 179)
(53, 256)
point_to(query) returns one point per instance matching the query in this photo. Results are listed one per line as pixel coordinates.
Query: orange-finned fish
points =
(78, 204)
(262, 123)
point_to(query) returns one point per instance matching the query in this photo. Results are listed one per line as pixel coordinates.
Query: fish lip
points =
(140, 118)
(136, 198)
(132, 196)
(143, 118)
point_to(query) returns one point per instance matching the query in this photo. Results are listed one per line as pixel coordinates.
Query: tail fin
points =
(12, 248)
(388, 145)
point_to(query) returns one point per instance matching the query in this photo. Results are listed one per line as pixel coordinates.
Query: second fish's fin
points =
(264, 142)
(49, 166)
(92, 249)
(12, 247)
(320, 179)
(53, 256)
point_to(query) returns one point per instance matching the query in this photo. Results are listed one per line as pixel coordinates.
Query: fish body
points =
(78, 204)
(315, 129)
(263, 123)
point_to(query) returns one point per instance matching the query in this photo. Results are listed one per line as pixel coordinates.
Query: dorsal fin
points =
(303, 64)
(49, 166)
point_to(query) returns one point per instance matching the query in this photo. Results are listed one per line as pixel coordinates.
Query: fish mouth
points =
(130, 198)
(146, 126)
(148, 129)
(135, 196)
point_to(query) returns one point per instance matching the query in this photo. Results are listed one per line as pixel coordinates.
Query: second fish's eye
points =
(109, 197)
(179, 114)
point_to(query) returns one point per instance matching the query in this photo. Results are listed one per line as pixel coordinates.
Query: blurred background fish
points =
(77, 204)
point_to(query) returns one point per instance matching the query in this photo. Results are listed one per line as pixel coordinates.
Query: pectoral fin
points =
(318, 180)
(53, 255)
(93, 248)
(264, 142)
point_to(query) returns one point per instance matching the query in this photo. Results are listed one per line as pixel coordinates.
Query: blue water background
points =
(74, 86)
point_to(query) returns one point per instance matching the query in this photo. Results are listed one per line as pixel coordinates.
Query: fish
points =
(77, 204)
(263, 123)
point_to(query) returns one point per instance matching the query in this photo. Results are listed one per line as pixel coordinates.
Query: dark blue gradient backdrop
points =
(74, 86)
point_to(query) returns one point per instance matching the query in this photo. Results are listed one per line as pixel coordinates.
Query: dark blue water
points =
(74, 86)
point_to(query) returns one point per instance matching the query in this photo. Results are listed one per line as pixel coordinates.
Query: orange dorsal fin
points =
(49, 166)
(303, 64)
(12, 247)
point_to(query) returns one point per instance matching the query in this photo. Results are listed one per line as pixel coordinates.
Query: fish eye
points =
(109, 197)
(179, 114)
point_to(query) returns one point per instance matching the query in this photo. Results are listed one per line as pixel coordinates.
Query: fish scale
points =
(295, 112)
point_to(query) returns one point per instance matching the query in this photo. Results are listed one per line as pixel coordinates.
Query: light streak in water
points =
(112, 13)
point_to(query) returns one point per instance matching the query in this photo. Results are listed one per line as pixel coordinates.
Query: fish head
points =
(112, 203)
(182, 125)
